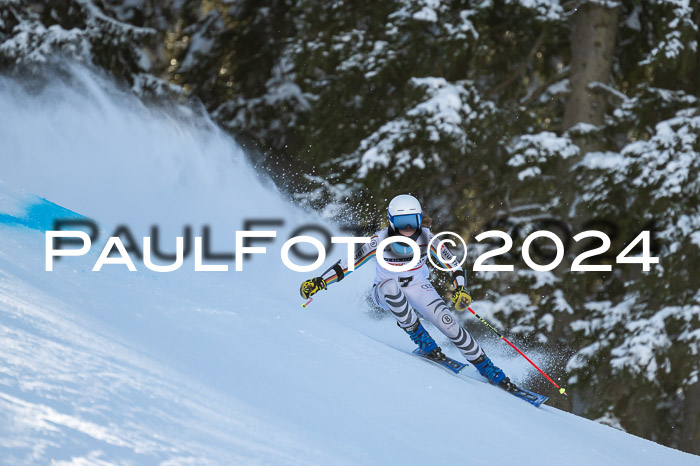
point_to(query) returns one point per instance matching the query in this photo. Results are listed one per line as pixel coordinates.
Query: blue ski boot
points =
(489, 370)
(425, 342)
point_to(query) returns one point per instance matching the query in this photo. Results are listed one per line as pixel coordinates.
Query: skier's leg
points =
(429, 303)
(389, 295)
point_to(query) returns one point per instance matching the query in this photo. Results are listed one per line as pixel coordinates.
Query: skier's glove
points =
(461, 299)
(312, 286)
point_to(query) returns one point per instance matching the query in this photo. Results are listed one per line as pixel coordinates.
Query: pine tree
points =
(516, 115)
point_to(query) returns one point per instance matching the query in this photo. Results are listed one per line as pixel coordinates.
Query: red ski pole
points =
(562, 390)
(307, 302)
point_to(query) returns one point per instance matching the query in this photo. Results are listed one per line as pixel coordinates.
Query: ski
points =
(456, 367)
(446, 362)
(531, 397)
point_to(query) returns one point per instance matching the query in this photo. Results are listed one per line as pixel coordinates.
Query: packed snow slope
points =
(185, 367)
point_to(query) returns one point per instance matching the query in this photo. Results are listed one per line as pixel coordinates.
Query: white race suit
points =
(404, 293)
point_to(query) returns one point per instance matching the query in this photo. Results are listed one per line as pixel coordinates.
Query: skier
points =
(404, 293)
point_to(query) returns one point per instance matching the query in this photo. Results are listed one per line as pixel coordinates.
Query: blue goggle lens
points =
(402, 222)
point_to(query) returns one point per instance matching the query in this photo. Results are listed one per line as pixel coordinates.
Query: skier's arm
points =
(339, 270)
(460, 296)
(363, 254)
(456, 272)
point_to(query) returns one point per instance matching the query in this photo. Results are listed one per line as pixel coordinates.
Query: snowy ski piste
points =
(119, 367)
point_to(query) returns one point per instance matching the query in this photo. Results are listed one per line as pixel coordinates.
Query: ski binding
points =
(446, 362)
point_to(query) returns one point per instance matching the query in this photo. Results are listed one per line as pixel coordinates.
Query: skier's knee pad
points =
(443, 319)
(390, 288)
(447, 324)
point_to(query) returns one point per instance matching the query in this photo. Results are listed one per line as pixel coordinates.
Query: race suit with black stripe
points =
(405, 294)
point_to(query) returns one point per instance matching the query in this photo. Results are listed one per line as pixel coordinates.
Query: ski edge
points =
(456, 367)
(537, 401)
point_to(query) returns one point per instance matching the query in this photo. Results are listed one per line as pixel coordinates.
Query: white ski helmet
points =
(405, 211)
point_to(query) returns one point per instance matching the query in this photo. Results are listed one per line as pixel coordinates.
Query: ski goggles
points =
(401, 222)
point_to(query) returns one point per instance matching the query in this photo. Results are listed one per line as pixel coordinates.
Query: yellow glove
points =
(312, 286)
(461, 299)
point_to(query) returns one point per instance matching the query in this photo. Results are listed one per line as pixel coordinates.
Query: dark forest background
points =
(516, 115)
